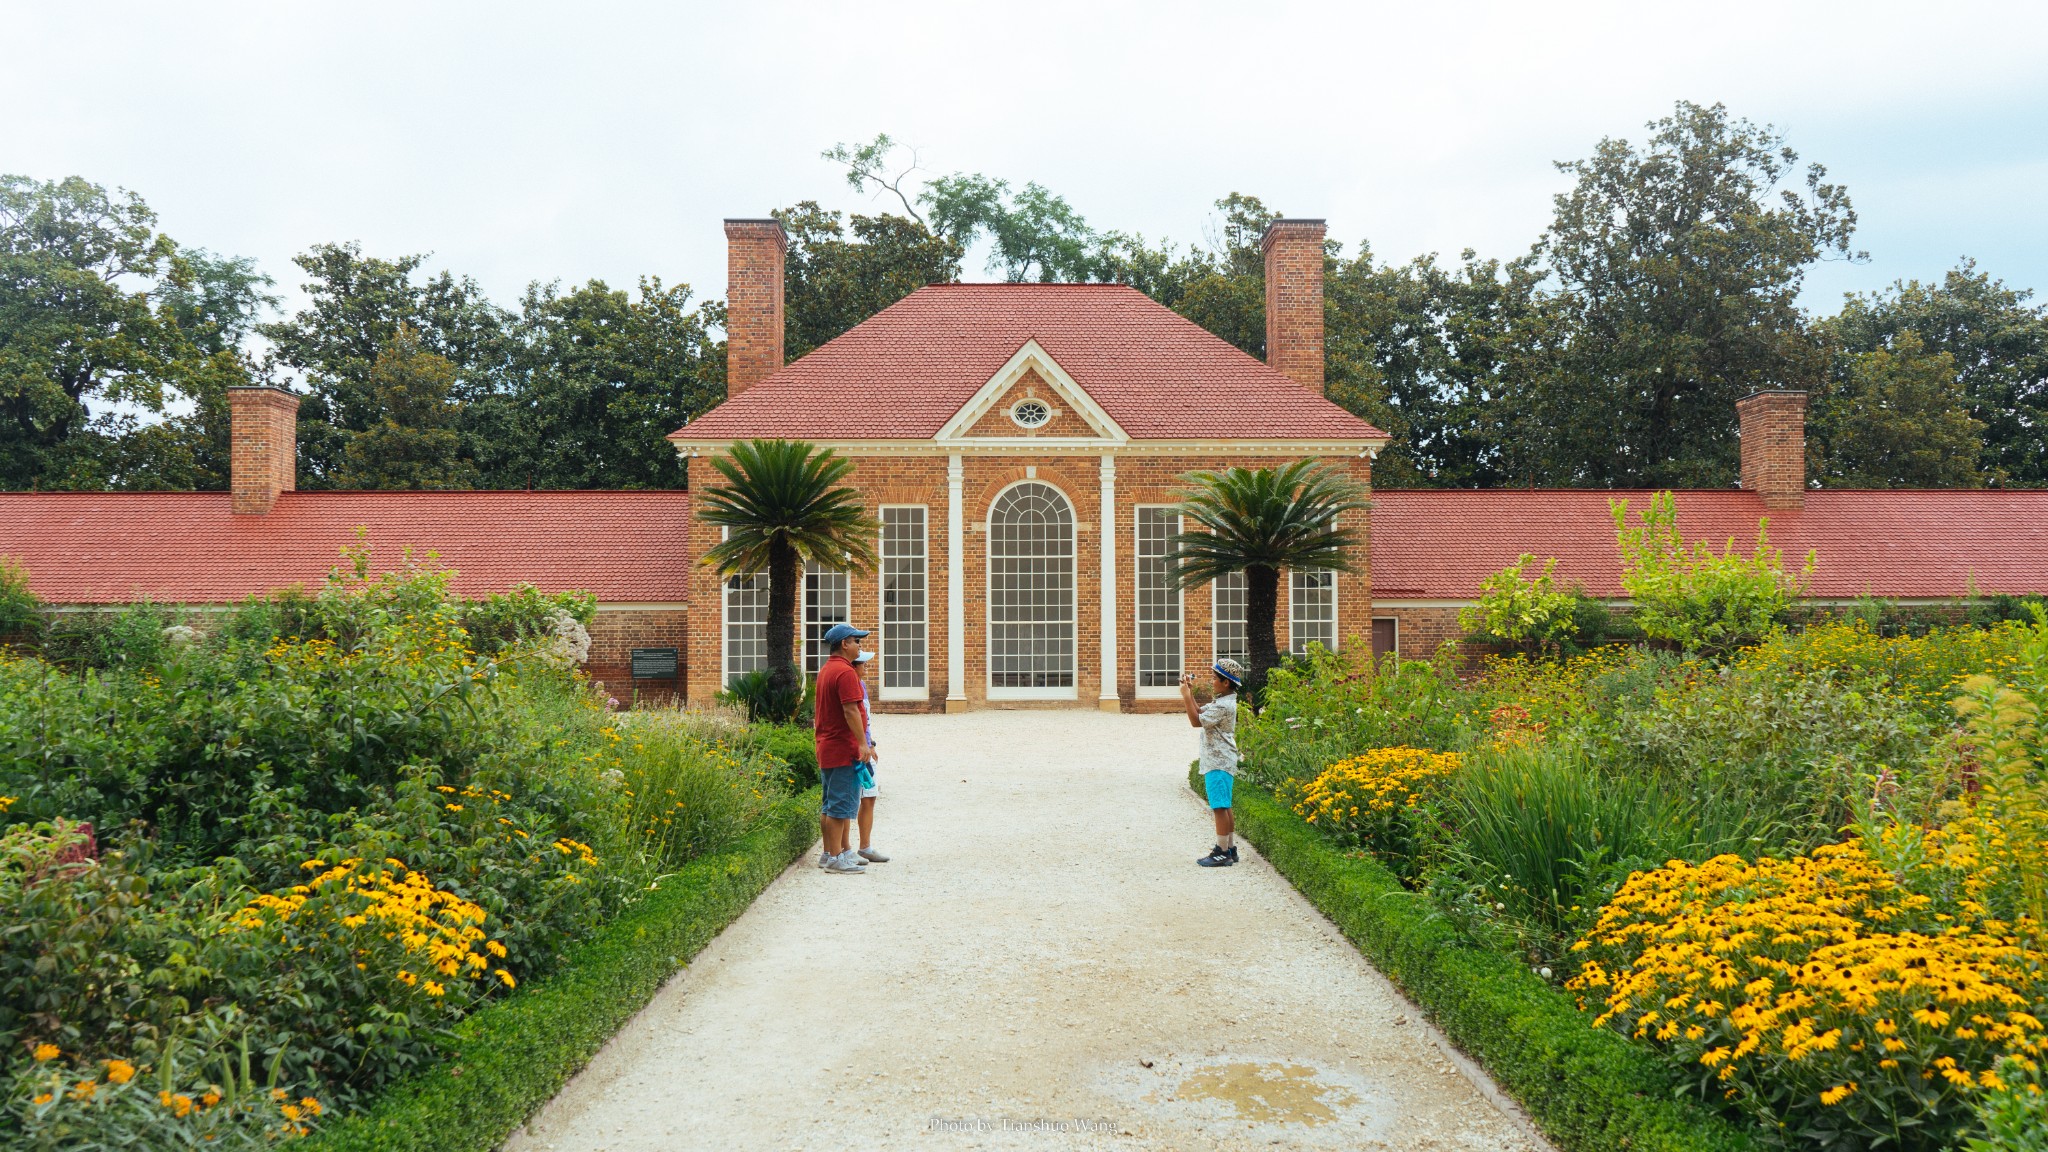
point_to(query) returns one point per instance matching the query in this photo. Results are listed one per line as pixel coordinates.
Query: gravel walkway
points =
(1041, 966)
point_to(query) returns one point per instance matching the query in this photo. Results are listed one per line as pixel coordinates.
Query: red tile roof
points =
(186, 547)
(905, 371)
(1438, 545)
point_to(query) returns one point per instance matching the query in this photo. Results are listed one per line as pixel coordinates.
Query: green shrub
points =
(1324, 707)
(691, 787)
(2014, 1117)
(1518, 610)
(792, 746)
(764, 701)
(1699, 599)
(21, 613)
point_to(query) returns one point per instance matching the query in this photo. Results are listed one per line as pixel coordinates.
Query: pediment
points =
(1032, 376)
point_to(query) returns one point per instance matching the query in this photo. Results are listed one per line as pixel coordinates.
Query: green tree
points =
(783, 503)
(598, 379)
(1517, 609)
(413, 444)
(357, 305)
(1261, 522)
(103, 321)
(1896, 418)
(1999, 343)
(1673, 275)
(1700, 599)
(833, 281)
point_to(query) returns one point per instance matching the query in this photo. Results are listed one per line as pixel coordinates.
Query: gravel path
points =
(1041, 966)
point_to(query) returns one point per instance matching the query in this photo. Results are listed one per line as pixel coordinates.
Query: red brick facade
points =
(1137, 478)
(753, 302)
(617, 629)
(263, 441)
(1294, 299)
(1774, 447)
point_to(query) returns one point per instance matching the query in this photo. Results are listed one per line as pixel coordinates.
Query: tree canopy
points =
(1609, 354)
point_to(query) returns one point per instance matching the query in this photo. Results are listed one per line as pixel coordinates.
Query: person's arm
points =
(1187, 700)
(853, 724)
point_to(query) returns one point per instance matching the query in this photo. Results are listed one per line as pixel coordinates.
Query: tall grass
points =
(690, 786)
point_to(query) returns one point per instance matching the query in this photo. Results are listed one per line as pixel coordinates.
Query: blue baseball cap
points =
(838, 632)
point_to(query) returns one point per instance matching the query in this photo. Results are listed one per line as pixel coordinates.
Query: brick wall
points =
(754, 252)
(1294, 299)
(616, 630)
(1141, 479)
(263, 437)
(1774, 447)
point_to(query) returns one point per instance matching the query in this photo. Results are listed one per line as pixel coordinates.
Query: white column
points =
(956, 593)
(1108, 700)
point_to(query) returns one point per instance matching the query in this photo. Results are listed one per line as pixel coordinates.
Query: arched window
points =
(1031, 592)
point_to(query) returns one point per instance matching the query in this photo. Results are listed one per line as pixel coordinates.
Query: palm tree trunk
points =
(782, 578)
(1261, 608)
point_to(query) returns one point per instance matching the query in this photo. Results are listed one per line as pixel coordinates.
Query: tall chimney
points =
(1294, 299)
(1774, 446)
(263, 445)
(753, 302)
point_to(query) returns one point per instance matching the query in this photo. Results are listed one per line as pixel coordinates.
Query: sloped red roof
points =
(188, 548)
(1438, 545)
(902, 373)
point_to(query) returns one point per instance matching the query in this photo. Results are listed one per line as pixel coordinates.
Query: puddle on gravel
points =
(1268, 1093)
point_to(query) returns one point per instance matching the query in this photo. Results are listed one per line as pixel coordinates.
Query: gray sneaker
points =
(846, 863)
(872, 856)
(824, 859)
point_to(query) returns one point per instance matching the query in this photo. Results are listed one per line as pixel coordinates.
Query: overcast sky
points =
(563, 141)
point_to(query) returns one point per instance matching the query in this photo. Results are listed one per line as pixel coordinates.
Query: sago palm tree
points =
(782, 504)
(1261, 521)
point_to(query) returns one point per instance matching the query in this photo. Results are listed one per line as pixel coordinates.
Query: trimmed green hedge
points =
(513, 1056)
(1589, 1090)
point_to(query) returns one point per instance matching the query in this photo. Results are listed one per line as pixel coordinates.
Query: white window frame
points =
(1215, 646)
(803, 611)
(1294, 647)
(1155, 692)
(922, 691)
(725, 657)
(988, 599)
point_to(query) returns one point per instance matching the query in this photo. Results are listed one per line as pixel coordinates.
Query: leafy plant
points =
(1699, 599)
(21, 612)
(1517, 609)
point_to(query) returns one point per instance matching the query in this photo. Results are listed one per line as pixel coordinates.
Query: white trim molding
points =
(1064, 446)
(1033, 358)
(1106, 699)
(956, 591)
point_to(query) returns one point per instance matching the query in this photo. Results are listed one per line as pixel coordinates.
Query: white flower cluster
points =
(571, 643)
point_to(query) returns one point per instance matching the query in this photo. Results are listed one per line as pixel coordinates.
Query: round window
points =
(1030, 412)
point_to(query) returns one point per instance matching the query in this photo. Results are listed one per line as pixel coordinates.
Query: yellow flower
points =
(47, 1052)
(507, 978)
(120, 1071)
(210, 1098)
(43, 1099)
(1837, 1094)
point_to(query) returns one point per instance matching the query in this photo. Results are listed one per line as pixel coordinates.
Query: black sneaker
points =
(1218, 858)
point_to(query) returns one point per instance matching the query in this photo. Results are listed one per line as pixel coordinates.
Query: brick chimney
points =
(1774, 446)
(263, 446)
(1294, 299)
(753, 302)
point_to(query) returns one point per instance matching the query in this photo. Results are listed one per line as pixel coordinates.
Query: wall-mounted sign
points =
(655, 663)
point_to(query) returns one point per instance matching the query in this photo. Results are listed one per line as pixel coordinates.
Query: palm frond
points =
(1286, 517)
(790, 490)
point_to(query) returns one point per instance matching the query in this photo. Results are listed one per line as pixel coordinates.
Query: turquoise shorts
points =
(1217, 784)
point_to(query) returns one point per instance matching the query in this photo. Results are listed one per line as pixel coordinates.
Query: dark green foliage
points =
(792, 744)
(21, 617)
(411, 445)
(1589, 1091)
(1895, 418)
(510, 1059)
(832, 282)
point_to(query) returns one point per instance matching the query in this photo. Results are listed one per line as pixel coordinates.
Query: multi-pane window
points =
(1159, 655)
(826, 602)
(904, 593)
(1312, 609)
(1227, 608)
(1031, 589)
(746, 624)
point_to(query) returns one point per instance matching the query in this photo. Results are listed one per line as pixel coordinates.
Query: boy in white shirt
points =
(1218, 721)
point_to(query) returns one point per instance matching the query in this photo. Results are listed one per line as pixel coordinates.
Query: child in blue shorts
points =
(1218, 721)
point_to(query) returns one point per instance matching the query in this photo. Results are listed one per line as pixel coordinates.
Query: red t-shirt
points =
(838, 685)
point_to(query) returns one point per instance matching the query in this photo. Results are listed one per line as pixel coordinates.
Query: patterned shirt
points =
(1219, 734)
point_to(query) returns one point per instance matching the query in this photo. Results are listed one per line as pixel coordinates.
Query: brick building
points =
(1019, 444)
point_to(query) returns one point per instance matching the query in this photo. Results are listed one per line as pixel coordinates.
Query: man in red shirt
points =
(842, 741)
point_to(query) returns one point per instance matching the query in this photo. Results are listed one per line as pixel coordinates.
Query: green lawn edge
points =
(1589, 1090)
(513, 1056)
